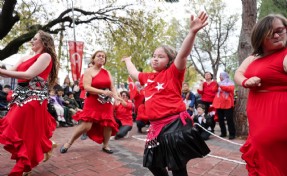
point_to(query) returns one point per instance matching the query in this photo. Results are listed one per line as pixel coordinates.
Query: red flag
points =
(132, 88)
(76, 55)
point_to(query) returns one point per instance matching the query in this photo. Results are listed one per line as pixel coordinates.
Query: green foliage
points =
(27, 11)
(144, 34)
(215, 43)
(272, 6)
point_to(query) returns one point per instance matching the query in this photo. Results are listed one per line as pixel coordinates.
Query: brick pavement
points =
(85, 158)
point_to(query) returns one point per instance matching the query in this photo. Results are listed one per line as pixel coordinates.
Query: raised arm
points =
(195, 25)
(133, 72)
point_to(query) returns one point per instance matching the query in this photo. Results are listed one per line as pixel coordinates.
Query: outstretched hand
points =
(198, 23)
(126, 59)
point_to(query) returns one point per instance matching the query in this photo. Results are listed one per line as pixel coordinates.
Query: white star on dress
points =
(159, 86)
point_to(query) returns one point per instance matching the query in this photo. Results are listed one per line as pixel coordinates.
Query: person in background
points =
(224, 103)
(122, 87)
(72, 103)
(58, 108)
(67, 86)
(5, 97)
(208, 90)
(64, 104)
(204, 120)
(264, 73)
(27, 128)
(77, 91)
(97, 115)
(56, 85)
(123, 114)
(188, 98)
(171, 141)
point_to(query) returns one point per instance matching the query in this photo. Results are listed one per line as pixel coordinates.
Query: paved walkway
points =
(85, 158)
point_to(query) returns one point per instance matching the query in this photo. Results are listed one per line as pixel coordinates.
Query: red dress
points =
(265, 150)
(100, 114)
(26, 129)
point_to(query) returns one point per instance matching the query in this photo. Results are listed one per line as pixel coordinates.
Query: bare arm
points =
(133, 72)
(195, 25)
(285, 64)
(113, 88)
(34, 70)
(87, 82)
(239, 74)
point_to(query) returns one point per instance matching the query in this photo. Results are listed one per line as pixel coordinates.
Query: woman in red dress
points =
(171, 141)
(27, 128)
(264, 73)
(97, 115)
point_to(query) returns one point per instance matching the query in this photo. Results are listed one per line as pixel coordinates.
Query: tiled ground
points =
(85, 158)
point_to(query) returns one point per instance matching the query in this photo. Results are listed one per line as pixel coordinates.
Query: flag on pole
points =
(76, 55)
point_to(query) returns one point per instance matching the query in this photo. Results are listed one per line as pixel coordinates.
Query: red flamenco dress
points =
(100, 114)
(265, 150)
(26, 129)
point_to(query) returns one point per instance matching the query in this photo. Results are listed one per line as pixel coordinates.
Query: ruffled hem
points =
(256, 164)
(100, 120)
(92, 116)
(176, 145)
(14, 144)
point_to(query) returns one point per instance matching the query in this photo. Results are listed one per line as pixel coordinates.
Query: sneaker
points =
(84, 136)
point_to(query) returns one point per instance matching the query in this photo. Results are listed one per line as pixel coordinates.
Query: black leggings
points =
(156, 171)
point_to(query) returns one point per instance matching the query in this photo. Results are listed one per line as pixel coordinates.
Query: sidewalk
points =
(85, 158)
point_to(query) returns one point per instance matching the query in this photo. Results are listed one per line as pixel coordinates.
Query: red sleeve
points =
(200, 91)
(143, 78)
(9, 96)
(227, 88)
(215, 87)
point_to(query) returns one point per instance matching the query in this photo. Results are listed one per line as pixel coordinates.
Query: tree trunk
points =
(249, 15)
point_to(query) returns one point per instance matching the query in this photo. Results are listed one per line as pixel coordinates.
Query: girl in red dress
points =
(264, 73)
(27, 128)
(171, 141)
(97, 115)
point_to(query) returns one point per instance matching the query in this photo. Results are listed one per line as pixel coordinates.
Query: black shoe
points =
(231, 137)
(70, 124)
(109, 151)
(140, 130)
(63, 149)
(223, 135)
(63, 124)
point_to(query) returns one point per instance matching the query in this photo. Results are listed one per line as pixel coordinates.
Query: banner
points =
(76, 56)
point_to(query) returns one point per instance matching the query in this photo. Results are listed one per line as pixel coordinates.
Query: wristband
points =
(243, 83)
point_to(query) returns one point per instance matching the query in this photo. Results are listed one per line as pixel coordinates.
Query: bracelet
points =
(243, 83)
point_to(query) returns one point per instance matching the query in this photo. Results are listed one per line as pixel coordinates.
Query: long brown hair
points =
(262, 29)
(49, 47)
